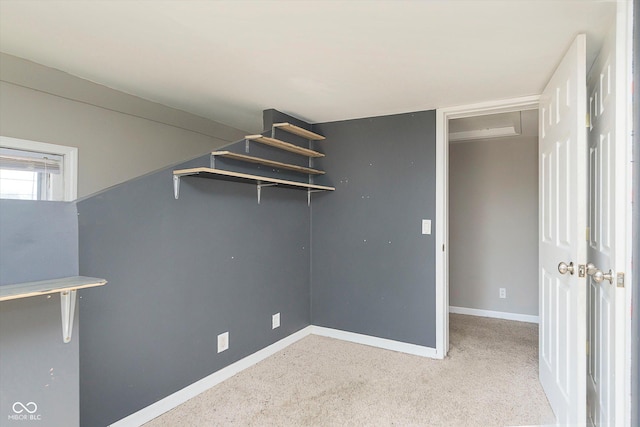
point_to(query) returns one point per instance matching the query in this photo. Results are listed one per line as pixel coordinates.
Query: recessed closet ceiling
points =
(320, 60)
(489, 126)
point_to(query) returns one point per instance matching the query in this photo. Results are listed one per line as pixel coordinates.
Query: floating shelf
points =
(266, 162)
(283, 145)
(260, 181)
(66, 286)
(44, 287)
(296, 130)
(264, 181)
(244, 177)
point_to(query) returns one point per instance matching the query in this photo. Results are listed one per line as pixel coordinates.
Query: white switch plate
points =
(275, 321)
(426, 226)
(223, 342)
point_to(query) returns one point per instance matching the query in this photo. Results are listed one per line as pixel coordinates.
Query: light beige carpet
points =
(490, 378)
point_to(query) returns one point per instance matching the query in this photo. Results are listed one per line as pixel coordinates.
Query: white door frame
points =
(624, 128)
(443, 115)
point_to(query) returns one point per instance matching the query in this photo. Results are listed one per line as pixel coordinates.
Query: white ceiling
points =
(318, 60)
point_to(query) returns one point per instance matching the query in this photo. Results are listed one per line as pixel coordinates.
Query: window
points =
(32, 170)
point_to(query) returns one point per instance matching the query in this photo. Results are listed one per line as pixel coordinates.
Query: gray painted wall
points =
(180, 273)
(118, 136)
(373, 272)
(38, 241)
(493, 224)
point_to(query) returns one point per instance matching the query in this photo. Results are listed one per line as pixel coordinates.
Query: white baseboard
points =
(179, 397)
(401, 347)
(495, 314)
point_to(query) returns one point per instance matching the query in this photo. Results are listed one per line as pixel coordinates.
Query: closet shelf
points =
(296, 130)
(66, 286)
(266, 162)
(283, 145)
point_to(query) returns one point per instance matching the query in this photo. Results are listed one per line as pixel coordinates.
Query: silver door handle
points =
(599, 276)
(563, 268)
(591, 269)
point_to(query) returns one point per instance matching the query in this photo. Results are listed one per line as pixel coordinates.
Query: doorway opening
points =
(443, 118)
(493, 215)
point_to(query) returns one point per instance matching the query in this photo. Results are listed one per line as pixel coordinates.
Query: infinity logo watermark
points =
(24, 412)
(20, 407)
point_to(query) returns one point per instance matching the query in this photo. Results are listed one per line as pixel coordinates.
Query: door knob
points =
(599, 276)
(591, 269)
(563, 268)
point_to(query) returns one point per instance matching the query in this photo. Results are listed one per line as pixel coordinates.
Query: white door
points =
(605, 384)
(562, 160)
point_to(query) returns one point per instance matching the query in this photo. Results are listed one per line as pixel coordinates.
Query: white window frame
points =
(69, 163)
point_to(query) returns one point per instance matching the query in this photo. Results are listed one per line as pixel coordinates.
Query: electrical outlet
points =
(503, 292)
(275, 321)
(223, 342)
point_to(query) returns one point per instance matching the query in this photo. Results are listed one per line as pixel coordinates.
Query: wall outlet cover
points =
(503, 292)
(275, 321)
(223, 342)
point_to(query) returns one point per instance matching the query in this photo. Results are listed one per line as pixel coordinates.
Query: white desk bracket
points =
(67, 309)
(176, 186)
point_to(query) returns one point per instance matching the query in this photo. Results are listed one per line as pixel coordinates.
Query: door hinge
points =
(588, 234)
(588, 120)
(620, 280)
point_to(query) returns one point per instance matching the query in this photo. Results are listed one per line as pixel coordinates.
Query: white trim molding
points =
(166, 404)
(384, 343)
(443, 115)
(179, 397)
(494, 314)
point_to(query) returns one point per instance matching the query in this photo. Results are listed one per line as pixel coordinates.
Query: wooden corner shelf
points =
(66, 286)
(266, 162)
(284, 145)
(296, 130)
